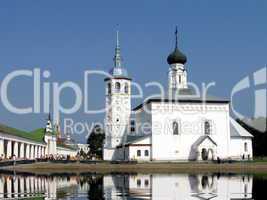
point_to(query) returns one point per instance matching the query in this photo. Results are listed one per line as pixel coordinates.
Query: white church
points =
(183, 125)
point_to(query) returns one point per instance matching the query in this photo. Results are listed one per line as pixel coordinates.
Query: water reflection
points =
(127, 186)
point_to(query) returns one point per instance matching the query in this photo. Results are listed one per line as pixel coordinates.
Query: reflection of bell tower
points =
(118, 105)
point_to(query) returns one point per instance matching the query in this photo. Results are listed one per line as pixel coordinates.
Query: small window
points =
(126, 88)
(246, 147)
(132, 126)
(109, 88)
(146, 153)
(117, 86)
(138, 182)
(146, 183)
(175, 127)
(207, 127)
(180, 79)
(138, 153)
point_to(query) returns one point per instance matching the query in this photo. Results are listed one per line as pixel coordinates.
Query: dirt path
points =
(142, 168)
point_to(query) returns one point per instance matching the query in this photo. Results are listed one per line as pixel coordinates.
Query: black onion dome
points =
(176, 57)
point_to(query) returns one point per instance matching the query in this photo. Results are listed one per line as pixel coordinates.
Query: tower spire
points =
(176, 37)
(117, 57)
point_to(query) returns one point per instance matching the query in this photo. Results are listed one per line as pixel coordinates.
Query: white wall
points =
(191, 117)
(238, 148)
(133, 153)
(65, 151)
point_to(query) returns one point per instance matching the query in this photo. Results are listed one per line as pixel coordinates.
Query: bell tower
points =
(50, 138)
(118, 106)
(177, 71)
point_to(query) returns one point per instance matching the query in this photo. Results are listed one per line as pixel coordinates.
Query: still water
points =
(131, 186)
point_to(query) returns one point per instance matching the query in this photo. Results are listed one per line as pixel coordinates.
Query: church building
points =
(183, 124)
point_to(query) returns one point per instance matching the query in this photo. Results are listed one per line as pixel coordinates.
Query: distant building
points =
(84, 147)
(31, 145)
(183, 125)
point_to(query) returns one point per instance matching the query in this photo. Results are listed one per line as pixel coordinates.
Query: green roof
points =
(36, 136)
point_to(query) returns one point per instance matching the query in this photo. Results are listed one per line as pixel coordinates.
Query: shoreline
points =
(46, 168)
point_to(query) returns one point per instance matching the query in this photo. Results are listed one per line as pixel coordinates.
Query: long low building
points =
(40, 143)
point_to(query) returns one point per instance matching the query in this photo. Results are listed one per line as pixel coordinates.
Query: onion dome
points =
(176, 57)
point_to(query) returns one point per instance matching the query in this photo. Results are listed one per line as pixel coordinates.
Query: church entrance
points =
(207, 154)
(204, 149)
(204, 154)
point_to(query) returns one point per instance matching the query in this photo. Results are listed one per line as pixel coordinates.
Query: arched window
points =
(109, 88)
(126, 88)
(207, 127)
(138, 153)
(117, 87)
(175, 128)
(146, 153)
(246, 147)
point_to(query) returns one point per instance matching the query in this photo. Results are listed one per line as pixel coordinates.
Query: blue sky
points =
(223, 40)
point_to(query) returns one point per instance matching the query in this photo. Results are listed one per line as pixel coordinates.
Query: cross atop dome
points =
(176, 57)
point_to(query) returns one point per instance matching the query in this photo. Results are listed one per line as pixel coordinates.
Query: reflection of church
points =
(178, 186)
(180, 125)
(125, 186)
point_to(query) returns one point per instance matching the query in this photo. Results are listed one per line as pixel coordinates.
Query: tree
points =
(95, 191)
(96, 141)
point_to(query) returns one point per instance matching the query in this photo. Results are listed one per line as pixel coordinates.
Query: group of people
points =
(46, 157)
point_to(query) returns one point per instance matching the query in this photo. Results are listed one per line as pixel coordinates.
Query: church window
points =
(117, 86)
(180, 79)
(138, 153)
(132, 126)
(207, 127)
(126, 88)
(146, 183)
(246, 147)
(146, 153)
(175, 127)
(109, 88)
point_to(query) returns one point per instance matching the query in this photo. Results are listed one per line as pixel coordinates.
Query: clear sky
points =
(224, 41)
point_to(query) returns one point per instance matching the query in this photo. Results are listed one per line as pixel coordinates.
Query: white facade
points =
(13, 145)
(183, 125)
(21, 148)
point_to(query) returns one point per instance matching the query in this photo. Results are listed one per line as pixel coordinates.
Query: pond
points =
(131, 186)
